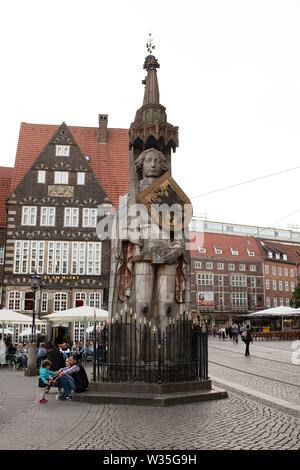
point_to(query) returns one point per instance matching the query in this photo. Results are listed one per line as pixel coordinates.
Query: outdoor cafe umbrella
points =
(7, 331)
(10, 316)
(276, 312)
(28, 331)
(83, 314)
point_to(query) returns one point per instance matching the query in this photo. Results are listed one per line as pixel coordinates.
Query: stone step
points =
(149, 399)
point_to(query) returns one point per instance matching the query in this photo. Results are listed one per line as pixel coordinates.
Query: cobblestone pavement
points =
(243, 421)
(258, 372)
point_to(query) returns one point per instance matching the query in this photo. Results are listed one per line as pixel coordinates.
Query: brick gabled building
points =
(226, 275)
(52, 216)
(5, 183)
(281, 267)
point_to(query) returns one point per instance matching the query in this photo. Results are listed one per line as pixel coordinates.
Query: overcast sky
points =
(229, 78)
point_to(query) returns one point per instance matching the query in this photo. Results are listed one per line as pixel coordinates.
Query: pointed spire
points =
(151, 95)
(150, 127)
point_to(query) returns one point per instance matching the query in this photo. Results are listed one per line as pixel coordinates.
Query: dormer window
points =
(62, 150)
(277, 255)
(250, 253)
(218, 251)
(284, 257)
(234, 252)
(201, 250)
(270, 254)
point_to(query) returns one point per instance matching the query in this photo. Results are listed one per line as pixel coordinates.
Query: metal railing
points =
(136, 352)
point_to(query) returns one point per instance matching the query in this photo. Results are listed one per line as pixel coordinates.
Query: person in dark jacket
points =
(72, 377)
(247, 338)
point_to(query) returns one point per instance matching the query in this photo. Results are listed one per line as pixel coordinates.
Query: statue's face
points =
(153, 165)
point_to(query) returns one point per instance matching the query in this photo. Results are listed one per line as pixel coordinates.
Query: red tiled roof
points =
(109, 162)
(5, 181)
(226, 243)
(292, 251)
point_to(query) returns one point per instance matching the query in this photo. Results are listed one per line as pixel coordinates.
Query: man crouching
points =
(72, 377)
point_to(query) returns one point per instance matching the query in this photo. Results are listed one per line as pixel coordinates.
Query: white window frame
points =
(267, 269)
(242, 267)
(14, 300)
(267, 284)
(252, 267)
(41, 176)
(268, 302)
(204, 279)
(61, 177)
(2, 254)
(95, 299)
(209, 265)
(47, 216)
(239, 299)
(62, 150)
(44, 302)
(286, 286)
(80, 178)
(21, 256)
(231, 267)
(80, 296)
(94, 250)
(197, 264)
(237, 280)
(89, 217)
(292, 286)
(218, 251)
(29, 215)
(71, 217)
(220, 266)
(274, 284)
(60, 299)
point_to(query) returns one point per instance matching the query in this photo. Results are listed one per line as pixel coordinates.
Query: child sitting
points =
(45, 378)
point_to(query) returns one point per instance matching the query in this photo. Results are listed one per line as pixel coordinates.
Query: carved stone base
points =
(150, 394)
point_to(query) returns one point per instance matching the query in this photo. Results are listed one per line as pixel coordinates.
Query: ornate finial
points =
(150, 46)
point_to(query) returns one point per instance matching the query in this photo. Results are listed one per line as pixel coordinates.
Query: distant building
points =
(199, 224)
(226, 275)
(281, 267)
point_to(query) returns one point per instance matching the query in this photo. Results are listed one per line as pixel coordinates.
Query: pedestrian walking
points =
(45, 378)
(223, 333)
(235, 334)
(247, 338)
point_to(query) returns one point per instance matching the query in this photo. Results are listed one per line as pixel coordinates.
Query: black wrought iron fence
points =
(127, 350)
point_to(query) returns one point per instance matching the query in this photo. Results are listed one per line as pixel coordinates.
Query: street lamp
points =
(35, 284)
(31, 366)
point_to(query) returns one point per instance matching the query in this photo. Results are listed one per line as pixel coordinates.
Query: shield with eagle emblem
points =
(166, 192)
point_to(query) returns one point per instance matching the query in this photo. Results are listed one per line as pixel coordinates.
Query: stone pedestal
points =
(31, 365)
(150, 394)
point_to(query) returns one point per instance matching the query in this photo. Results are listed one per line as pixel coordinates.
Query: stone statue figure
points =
(148, 274)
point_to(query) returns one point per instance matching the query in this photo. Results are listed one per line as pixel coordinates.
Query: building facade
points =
(226, 276)
(51, 230)
(281, 264)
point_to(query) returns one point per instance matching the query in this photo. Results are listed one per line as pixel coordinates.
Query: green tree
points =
(295, 299)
